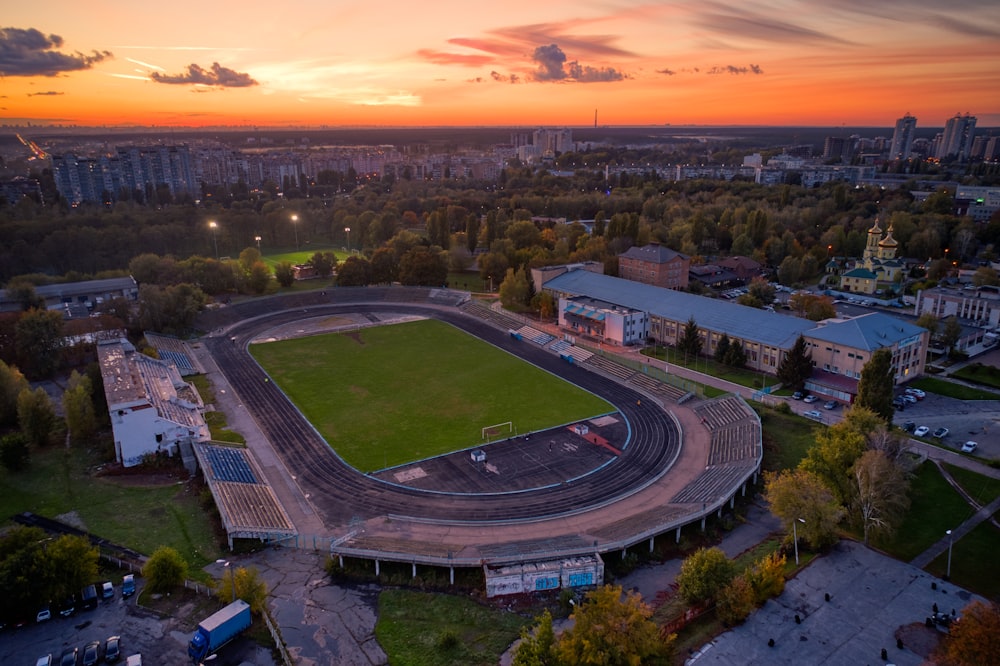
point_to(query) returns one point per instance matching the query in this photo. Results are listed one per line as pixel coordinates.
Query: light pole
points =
(295, 225)
(795, 537)
(232, 574)
(947, 575)
(213, 225)
(347, 230)
(257, 238)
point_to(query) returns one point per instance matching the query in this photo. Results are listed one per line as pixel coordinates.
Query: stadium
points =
(533, 510)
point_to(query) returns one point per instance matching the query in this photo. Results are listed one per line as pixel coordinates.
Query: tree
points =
(881, 500)
(354, 272)
(250, 587)
(796, 367)
(15, 454)
(767, 576)
(762, 290)
(383, 264)
(876, 384)
(73, 561)
(929, 321)
(613, 630)
(24, 573)
(690, 342)
(12, 382)
(722, 348)
(800, 495)
(985, 276)
(38, 337)
(735, 356)
(284, 273)
(736, 601)
(165, 570)
(973, 640)
(421, 266)
(78, 405)
(323, 263)
(514, 289)
(259, 278)
(950, 333)
(703, 574)
(814, 307)
(832, 455)
(537, 647)
(36, 416)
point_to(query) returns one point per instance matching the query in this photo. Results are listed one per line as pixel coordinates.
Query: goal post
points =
(490, 431)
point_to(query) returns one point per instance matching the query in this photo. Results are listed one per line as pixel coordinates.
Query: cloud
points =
(47, 93)
(964, 28)
(668, 72)
(445, 58)
(504, 78)
(747, 24)
(552, 66)
(28, 52)
(218, 76)
(733, 69)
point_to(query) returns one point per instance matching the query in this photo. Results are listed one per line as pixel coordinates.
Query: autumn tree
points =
(929, 321)
(354, 272)
(12, 382)
(422, 266)
(514, 289)
(796, 367)
(284, 273)
(876, 384)
(880, 500)
(800, 495)
(537, 647)
(767, 576)
(973, 640)
(735, 601)
(164, 570)
(323, 263)
(78, 406)
(832, 455)
(703, 574)
(814, 307)
(259, 277)
(36, 416)
(613, 629)
(250, 587)
(73, 561)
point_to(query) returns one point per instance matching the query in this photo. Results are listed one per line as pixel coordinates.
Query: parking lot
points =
(976, 420)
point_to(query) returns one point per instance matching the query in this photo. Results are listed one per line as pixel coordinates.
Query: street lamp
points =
(295, 220)
(213, 225)
(347, 230)
(795, 537)
(232, 574)
(257, 238)
(947, 575)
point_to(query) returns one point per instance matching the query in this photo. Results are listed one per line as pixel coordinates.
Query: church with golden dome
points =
(878, 265)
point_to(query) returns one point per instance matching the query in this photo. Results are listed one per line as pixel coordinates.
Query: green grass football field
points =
(393, 394)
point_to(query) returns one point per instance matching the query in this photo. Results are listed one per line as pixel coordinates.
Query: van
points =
(128, 585)
(89, 597)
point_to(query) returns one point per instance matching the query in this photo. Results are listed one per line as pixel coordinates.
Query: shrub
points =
(736, 601)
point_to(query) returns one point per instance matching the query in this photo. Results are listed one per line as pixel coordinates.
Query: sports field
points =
(389, 395)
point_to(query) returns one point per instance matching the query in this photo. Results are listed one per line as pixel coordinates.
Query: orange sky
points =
(315, 62)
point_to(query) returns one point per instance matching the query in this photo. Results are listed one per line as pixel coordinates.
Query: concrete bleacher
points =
(654, 386)
(176, 351)
(477, 309)
(610, 367)
(712, 484)
(735, 444)
(723, 412)
(530, 334)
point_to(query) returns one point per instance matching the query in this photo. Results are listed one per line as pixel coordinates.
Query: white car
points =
(920, 395)
(810, 398)
(921, 431)
(814, 414)
(969, 447)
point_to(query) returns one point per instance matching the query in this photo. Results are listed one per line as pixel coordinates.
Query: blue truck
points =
(218, 629)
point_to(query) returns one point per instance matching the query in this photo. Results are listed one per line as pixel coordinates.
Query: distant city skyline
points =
(518, 63)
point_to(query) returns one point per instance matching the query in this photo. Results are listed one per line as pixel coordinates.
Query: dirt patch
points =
(72, 518)
(919, 638)
(354, 335)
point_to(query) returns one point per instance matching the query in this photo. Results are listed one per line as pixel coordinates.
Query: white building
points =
(152, 409)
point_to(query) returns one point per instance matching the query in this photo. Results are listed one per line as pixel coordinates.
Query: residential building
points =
(902, 138)
(656, 265)
(152, 408)
(956, 142)
(974, 305)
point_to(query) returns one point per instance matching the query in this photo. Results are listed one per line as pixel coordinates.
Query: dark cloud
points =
(668, 72)
(733, 69)
(504, 78)
(747, 24)
(218, 76)
(550, 61)
(28, 52)
(47, 93)
(963, 28)
(588, 74)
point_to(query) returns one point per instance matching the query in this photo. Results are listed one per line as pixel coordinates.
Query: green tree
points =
(881, 501)
(259, 278)
(537, 647)
(284, 273)
(985, 276)
(165, 570)
(38, 339)
(514, 289)
(796, 367)
(15, 453)
(929, 321)
(690, 342)
(12, 383)
(250, 587)
(36, 415)
(703, 574)
(736, 601)
(735, 356)
(613, 630)
(73, 561)
(78, 405)
(800, 498)
(951, 331)
(421, 266)
(384, 266)
(722, 348)
(876, 384)
(354, 272)
(25, 576)
(323, 263)
(762, 290)
(832, 455)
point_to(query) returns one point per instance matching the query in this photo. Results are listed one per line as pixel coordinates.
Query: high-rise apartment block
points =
(133, 172)
(956, 142)
(902, 138)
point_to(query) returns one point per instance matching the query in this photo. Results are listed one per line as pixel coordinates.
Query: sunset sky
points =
(449, 62)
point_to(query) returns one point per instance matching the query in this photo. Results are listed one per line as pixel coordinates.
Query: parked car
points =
(43, 615)
(921, 431)
(911, 399)
(899, 404)
(128, 585)
(798, 395)
(941, 433)
(68, 607)
(830, 404)
(44, 661)
(810, 398)
(969, 447)
(909, 426)
(69, 657)
(917, 393)
(813, 414)
(112, 649)
(107, 590)
(91, 653)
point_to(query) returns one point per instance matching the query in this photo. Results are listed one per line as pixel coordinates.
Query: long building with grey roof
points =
(610, 310)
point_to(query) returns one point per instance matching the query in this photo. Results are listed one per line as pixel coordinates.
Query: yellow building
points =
(878, 265)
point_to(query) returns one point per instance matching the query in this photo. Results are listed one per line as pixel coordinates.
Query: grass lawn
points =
(787, 437)
(973, 561)
(423, 629)
(935, 508)
(302, 255)
(981, 488)
(953, 390)
(143, 518)
(710, 366)
(389, 395)
(980, 374)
